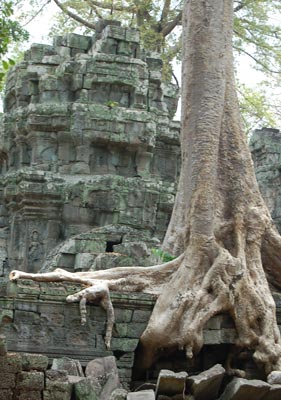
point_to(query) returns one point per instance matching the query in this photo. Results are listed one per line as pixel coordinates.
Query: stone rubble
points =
(142, 395)
(171, 383)
(28, 377)
(243, 389)
(35, 318)
(274, 377)
(206, 384)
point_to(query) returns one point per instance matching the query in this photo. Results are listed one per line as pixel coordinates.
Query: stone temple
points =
(88, 140)
(89, 154)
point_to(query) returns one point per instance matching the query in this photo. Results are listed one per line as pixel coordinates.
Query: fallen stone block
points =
(73, 367)
(170, 383)
(104, 372)
(99, 367)
(141, 395)
(87, 389)
(207, 384)
(74, 378)
(119, 394)
(58, 386)
(274, 378)
(243, 389)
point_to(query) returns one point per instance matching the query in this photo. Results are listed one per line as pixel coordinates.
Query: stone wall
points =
(22, 376)
(89, 157)
(35, 318)
(265, 145)
(30, 376)
(87, 140)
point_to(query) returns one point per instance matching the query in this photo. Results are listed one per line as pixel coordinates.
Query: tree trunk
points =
(220, 228)
(219, 219)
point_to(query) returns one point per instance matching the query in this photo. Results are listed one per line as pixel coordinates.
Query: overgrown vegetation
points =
(10, 32)
(162, 256)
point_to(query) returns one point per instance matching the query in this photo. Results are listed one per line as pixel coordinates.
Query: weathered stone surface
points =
(104, 372)
(118, 394)
(274, 377)
(32, 395)
(7, 381)
(3, 345)
(242, 389)
(6, 394)
(266, 153)
(171, 383)
(207, 384)
(58, 387)
(99, 367)
(87, 389)
(11, 363)
(30, 381)
(60, 329)
(93, 113)
(56, 395)
(56, 379)
(142, 395)
(72, 367)
(74, 378)
(36, 362)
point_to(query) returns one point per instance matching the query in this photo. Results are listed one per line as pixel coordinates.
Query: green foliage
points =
(258, 34)
(6, 64)
(162, 255)
(10, 31)
(255, 110)
(112, 104)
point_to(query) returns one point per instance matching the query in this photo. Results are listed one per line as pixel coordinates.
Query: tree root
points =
(99, 283)
(96, 290)
(205, 281)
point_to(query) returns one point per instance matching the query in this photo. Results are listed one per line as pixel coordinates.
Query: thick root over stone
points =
(205, 281)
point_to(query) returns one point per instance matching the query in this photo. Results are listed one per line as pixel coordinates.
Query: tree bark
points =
(220, 228)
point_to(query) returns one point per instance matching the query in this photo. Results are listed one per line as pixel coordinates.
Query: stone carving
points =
(35, 252)
(87, 140)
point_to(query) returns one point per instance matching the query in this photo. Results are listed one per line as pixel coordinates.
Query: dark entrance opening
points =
(110, 244)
